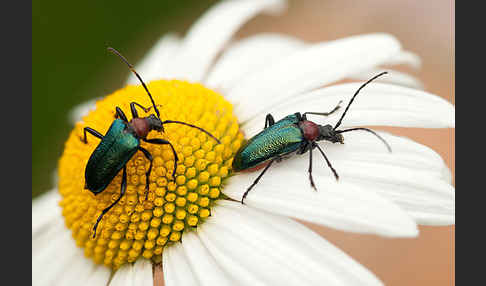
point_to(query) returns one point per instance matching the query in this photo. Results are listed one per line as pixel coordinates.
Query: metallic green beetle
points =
(121, 142)
(292, 134)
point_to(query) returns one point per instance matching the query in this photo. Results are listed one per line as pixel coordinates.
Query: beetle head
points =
(155, 123)
(328, 133)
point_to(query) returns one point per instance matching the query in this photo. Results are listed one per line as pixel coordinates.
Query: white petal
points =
(206, 37)
(393, 77)
(79, 111)
(45, 211)
(286, 190)
(405, 58)
(413, 176)
(142, 271)
(176, 267)
(100, 276)
(158, 61)
(258, 248)
(78, 272)
(250, 55)
(413, 191)
(431, 217)
(365, 147)
(310, 68)
(45, 237)
(204, 266)
(377, 104)
(123, 276)
(136, 274)
(54, 259)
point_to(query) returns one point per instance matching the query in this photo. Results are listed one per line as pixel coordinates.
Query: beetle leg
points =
(303, 148)
(328, 163)
(324, 113)
(300, 117)
(257, 179)
(310, 166)
(269, 121)
(92, 132)
(134, 110)
(163, 142)
(147, 175)
(122, 192)
(120, 114)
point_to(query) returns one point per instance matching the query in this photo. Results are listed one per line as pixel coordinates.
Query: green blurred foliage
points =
(70, 64)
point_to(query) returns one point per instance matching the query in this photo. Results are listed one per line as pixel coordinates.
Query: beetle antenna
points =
(136, 74)
(356, 93)
(371, 131)
(193, 126)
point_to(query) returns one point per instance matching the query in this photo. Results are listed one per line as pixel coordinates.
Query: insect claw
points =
(312, 182)
(313, 186)
(243, 198)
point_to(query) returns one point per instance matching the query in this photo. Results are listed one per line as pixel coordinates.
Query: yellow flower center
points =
(136, 226)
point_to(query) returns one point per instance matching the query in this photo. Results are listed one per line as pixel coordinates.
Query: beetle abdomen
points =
(109, 157)
(279, 139)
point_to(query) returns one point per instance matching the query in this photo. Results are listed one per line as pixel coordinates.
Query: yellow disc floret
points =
(141, 224)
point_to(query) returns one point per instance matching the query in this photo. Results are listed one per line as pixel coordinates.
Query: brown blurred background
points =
(427, 29)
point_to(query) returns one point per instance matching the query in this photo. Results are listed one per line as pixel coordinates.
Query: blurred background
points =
(70, 65)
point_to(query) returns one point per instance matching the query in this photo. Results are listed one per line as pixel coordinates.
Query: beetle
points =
(293, 134)
(121, 142)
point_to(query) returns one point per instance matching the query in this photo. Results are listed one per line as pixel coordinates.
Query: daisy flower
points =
(192, 230)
